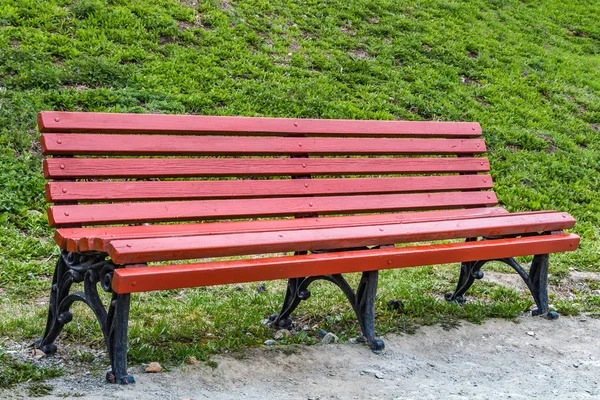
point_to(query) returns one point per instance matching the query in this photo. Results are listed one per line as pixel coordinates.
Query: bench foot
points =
(91, 269)
(363, 302)
(124, 380)
(536, 280)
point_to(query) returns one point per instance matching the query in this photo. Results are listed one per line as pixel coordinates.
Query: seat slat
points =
(100, 144)
(96, 239)
(130, 280)
(263, 207)
(72, 168)
(236, 244)
(140, 190)
(56, 121)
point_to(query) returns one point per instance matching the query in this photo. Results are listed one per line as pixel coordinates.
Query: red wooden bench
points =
(357, 188)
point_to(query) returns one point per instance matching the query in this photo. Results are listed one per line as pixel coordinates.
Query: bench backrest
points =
(123, 168)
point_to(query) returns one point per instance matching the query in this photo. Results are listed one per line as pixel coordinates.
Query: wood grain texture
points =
(87, 239)
(92, 214)
(132, 251)
(102, 144)
(58, 121)
(144, 190)
(72, 168)
(129, 280)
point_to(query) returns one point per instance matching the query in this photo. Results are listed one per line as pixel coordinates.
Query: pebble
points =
(531, 333)
(191, 360)
(261, 288)
(265, 321)
(239, 288)
(153, 367)
(306, 328)
(282, 333)
(353, 341)
(269, 342)
(376, 374)
(329, 338)
(37, 354)
(322, 332)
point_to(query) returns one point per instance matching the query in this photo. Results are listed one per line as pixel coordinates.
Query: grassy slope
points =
(527, 70)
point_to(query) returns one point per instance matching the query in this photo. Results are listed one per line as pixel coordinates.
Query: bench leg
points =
(117, 340)
(363, 302)
(469, 272)
(536, 281)
(91, 269)
(364, 306)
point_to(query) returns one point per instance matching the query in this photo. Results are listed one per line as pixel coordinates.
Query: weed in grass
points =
(567, 308)
(211, 363)
(39, 389)
(14, 371)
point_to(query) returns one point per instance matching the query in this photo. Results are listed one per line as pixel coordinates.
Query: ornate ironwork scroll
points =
(91, 269)
(536, 280)
(362, 301)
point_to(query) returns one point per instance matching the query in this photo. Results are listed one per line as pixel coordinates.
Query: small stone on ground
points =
(329, 338)
(282, 333)
(153, 367)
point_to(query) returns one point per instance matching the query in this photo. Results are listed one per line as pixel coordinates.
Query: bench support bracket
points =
(536, 280)
(91, 269)
(362, 301)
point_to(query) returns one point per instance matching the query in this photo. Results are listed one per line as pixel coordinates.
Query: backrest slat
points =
(73, 168)
(154, 190)
(263, 207)
(56, 121)
(82, 144)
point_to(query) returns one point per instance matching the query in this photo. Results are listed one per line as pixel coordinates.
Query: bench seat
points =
(97, 239)
(130, 280)
(316, 198)
(136, 251)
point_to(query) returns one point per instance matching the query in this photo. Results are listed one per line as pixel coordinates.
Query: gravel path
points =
(500, 359)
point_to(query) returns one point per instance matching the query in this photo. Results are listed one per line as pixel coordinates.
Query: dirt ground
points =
(533, 358)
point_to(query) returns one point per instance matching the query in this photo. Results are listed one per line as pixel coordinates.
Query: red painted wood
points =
(68, 168)
(132, 251)
(99, 144)
(143, 279)
(58, 121)
(247, 208)
(69, 238)
(144, 190)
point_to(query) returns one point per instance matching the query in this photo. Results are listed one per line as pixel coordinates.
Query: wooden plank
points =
(89, 242)
(90, 214)
(143, 279)
(70, 238)
(144, 190)
(102, 144)
(132, 251)
(58, 121)
(72, 168)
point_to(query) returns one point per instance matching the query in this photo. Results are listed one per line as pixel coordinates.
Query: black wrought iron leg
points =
(469, 272)
(53, 326)
(364, 307)
(538, 284)
(117, 339)
(293, 296)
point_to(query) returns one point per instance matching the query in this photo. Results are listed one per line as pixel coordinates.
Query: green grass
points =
(13, 371)
(528, 71)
